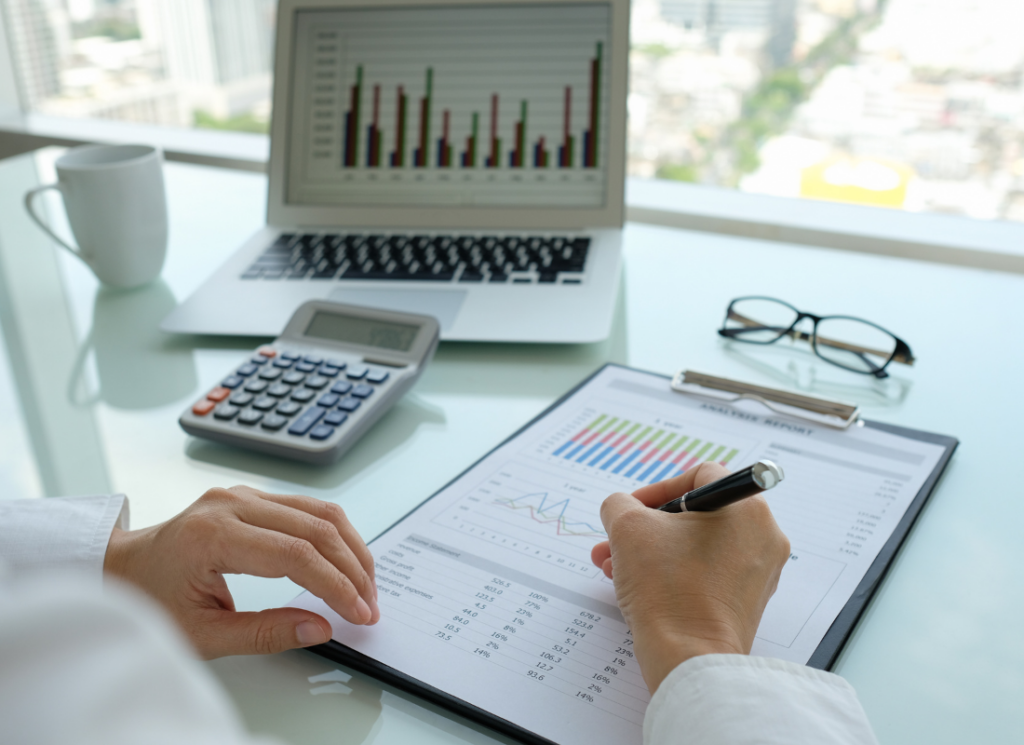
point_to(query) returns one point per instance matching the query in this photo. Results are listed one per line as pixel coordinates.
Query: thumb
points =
(226, 633)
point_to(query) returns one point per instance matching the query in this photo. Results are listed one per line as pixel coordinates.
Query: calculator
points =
(312, 393)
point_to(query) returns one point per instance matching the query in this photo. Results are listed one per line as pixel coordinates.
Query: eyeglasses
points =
(851, 343)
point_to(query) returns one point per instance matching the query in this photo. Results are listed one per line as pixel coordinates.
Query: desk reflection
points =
(800, 369)
(298, 692)
(137, 364)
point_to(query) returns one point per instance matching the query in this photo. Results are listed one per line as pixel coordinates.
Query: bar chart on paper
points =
(493, 97)
(629, 450)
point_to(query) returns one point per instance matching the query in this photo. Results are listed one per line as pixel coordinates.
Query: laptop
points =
(459, 158)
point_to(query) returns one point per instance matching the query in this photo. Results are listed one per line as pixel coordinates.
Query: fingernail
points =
(309, 633)
(363, 610)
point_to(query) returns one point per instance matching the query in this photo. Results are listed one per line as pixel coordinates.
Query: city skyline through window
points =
(907, 104)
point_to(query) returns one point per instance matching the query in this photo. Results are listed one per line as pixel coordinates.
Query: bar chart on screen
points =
(500, 97)
(629, 450)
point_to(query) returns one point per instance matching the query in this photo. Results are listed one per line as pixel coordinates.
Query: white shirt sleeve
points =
(102, 668)
(60, 533)
(740, 700)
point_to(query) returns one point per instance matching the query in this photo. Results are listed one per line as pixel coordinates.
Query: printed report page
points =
(487, 591)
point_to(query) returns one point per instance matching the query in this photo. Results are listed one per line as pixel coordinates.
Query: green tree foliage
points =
(238, 123)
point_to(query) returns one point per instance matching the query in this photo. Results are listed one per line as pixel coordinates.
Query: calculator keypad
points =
(305, 395)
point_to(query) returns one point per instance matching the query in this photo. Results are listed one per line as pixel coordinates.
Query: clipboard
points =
(824, 656)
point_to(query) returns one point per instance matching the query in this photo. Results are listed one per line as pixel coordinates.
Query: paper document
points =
(487, 591)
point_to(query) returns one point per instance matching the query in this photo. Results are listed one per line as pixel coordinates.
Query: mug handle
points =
(76, 380)
(29, 198)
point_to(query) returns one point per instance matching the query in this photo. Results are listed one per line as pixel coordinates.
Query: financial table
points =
(90, 391)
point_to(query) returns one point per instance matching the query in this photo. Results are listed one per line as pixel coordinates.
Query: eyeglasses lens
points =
(854, 344)
(758, 320)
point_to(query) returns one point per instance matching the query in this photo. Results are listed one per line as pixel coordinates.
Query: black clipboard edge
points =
(825, 656)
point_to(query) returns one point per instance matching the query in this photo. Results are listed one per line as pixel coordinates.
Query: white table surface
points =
(937, 658)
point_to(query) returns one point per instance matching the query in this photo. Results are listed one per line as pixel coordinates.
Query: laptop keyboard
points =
(430, 258)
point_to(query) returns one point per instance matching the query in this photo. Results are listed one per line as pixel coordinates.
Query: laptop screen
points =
(455, 106)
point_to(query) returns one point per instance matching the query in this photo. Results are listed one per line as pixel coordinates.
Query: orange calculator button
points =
(203, 407)
(218, 394)
(267, 351)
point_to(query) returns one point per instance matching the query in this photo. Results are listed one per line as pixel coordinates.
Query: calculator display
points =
(397, 336)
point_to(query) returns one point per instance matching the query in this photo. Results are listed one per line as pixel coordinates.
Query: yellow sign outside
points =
(868, 181)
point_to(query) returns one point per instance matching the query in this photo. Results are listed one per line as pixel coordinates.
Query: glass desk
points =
(90, 392)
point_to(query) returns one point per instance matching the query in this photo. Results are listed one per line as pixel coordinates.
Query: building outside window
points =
(905, 104)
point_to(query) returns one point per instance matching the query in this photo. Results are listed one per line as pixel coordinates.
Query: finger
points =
(322, 534)
(334, 515)
(606, 567)
(220, 633)
(658, 494)
(247, 549)
(600, 552)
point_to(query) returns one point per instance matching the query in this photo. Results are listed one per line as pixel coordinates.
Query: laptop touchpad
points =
(441, 304)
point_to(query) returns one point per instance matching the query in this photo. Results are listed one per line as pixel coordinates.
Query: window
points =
(912, 104)
(908, 104)
(204, 63)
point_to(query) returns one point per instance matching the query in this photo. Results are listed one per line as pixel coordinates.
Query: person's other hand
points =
(692, 583)
(182, 562)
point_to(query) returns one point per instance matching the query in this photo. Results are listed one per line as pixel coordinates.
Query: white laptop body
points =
(507, 226)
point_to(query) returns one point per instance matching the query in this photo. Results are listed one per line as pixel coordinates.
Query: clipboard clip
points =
(818, 410)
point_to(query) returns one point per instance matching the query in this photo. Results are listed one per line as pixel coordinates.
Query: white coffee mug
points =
(117, 208)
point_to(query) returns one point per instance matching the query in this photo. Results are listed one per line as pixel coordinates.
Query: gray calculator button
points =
(293, 378)
(333, 362)
(312, 359)
(259, 359)
(283, 363)
(357, 372)
(362, 391)
(270, 373)
(225, 412)
(334, 418)
(304, 423)
(321, 432)
(280, 390)
(329, 372)
(377, 376)
(303, 395)
(241, 399)
(349, 404)
(256, 386)
(289, 408)
(342, 387)
(274, 422)
(265, 403)
(250, 417)
(317, 382)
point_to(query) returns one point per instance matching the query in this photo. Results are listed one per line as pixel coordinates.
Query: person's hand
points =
(692, 583)
(182, 562)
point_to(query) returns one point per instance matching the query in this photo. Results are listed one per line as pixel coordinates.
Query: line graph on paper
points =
(547, 509)
(534, 514)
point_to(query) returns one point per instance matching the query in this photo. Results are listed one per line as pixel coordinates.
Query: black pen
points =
(759, 477)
